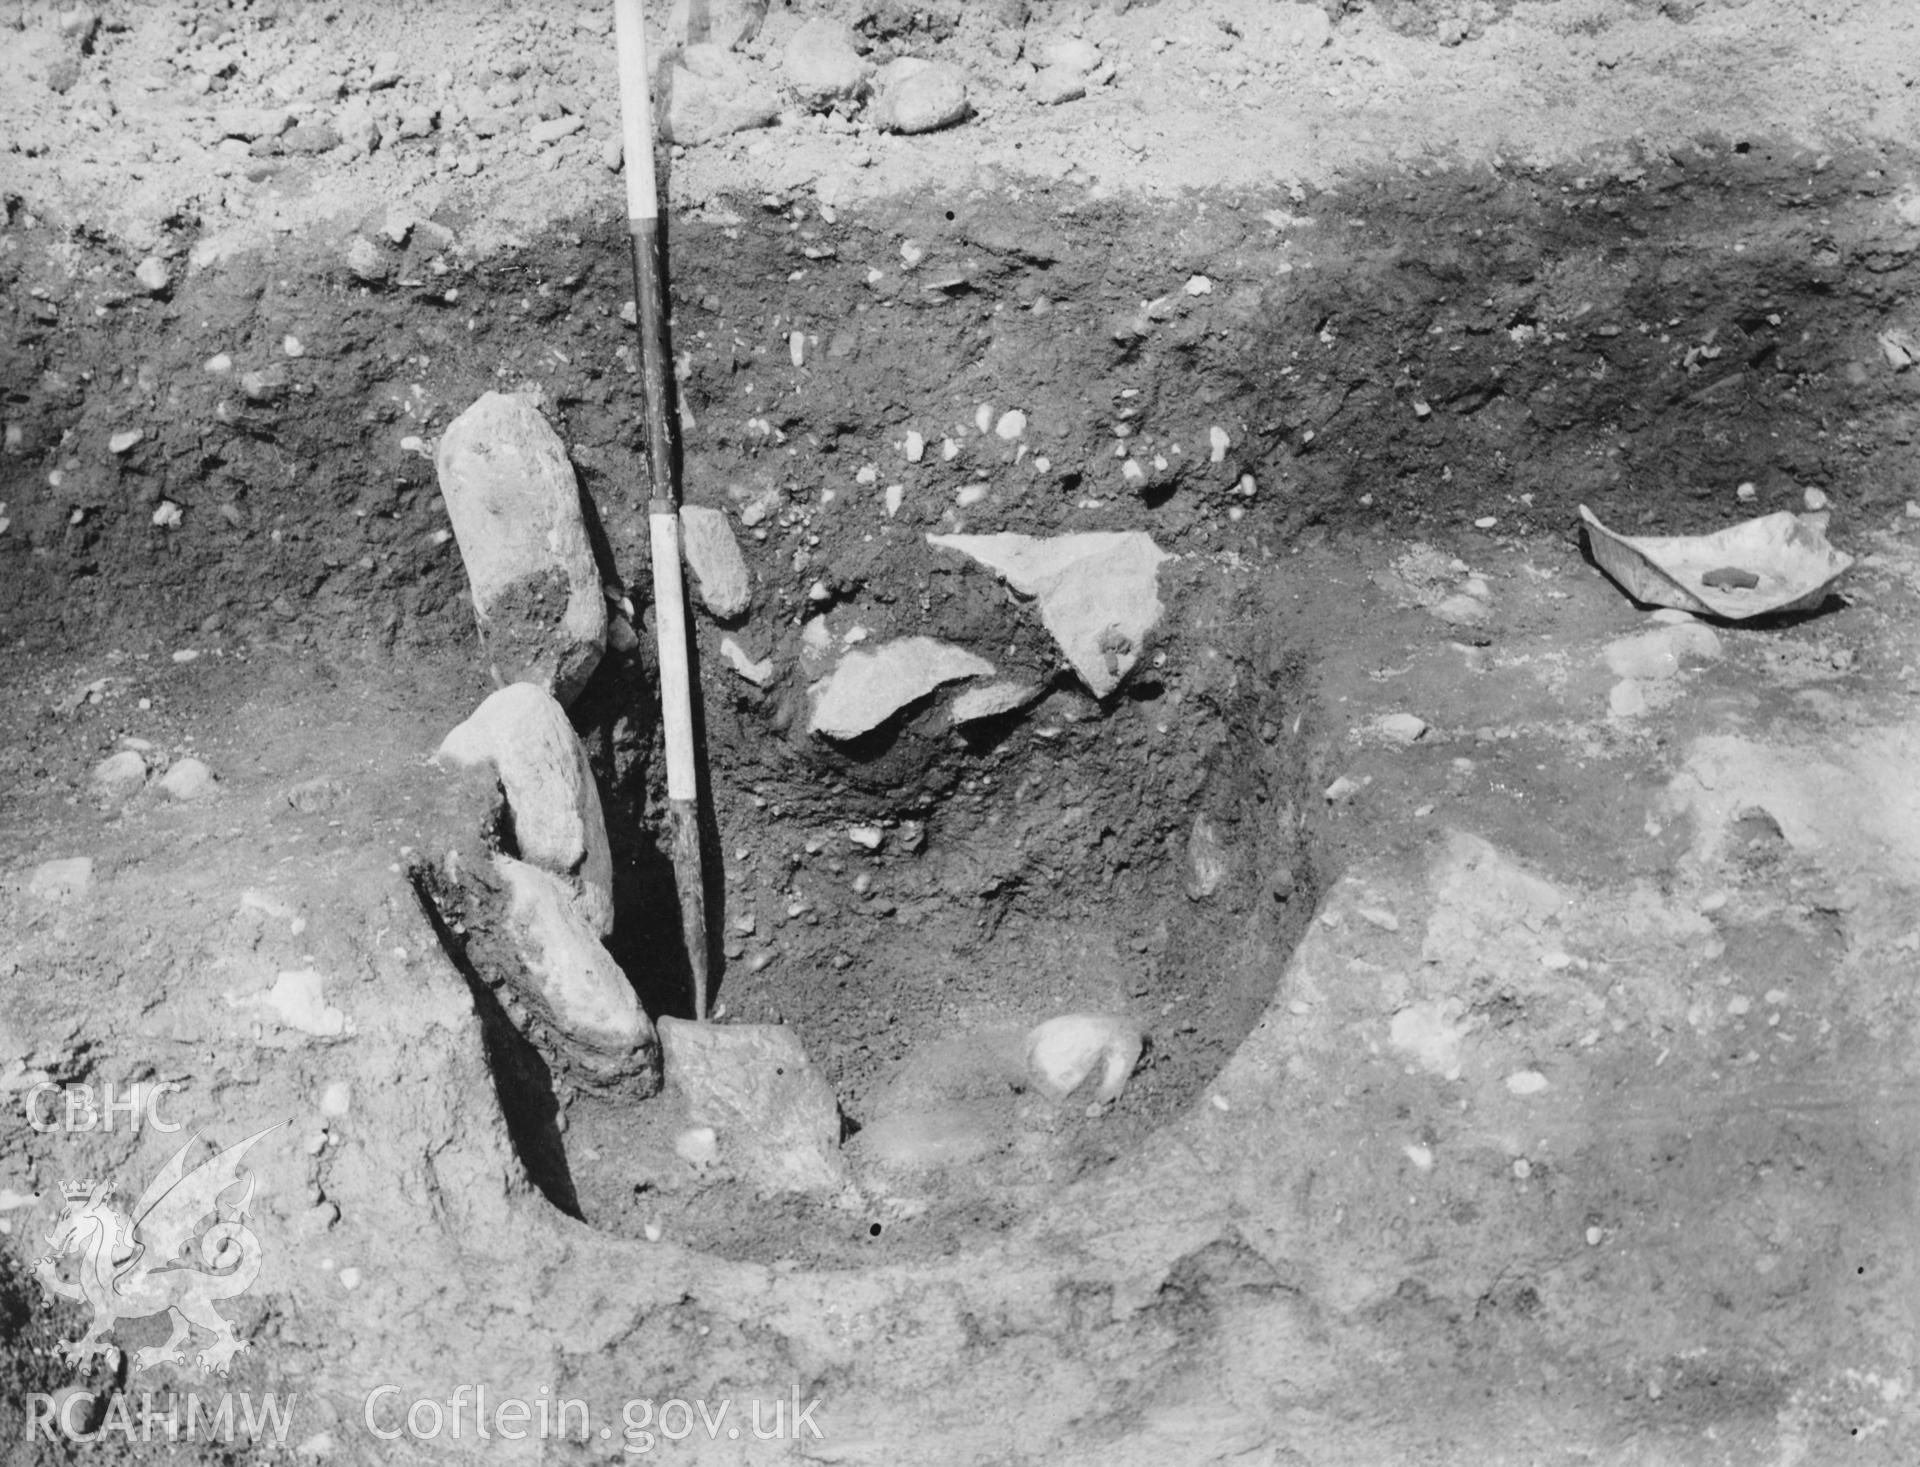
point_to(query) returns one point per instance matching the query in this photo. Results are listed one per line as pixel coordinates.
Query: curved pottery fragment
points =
(1778, 562)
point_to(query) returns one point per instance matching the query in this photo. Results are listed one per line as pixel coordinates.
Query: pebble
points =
(1816, 500)
(869, 836)
(914, 446)
(797, 347)
(1486, 522)
(868, 688)
(219, 364)
(918, 96)
(1054, 85)
(167, 514)
(119, 775)
(188, 779)
(1405, 728)
(1526, 1082)
(1012, 425)
(552, 130)
(714, 556)
(698, 1146)
(1219, 443)
(293, 346)
(365, 260)
(1594, 1236)
(1199, 285)
(1063, 1052)
(56, 881)
(153, 275)
(349, 1278)
(124, 440)
(1341, 789)
(1522, 1169)
(1746, 493)
(1073, 53)
(822, 65)
(895, 496)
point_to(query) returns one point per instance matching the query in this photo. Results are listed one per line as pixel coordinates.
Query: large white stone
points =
(1063, 1052)
(586, 996)
(775, 1118)
(515, 508)
(822, 65)
(868, 688)
(719, 570)
(1099, 592)
(557, 821)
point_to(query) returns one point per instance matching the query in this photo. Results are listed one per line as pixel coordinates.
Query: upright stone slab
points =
(575, 986)
(1099, 592)
(773, 1114)
(557, 822)
(515, 508)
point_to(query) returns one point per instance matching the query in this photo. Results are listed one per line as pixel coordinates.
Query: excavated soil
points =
(1423, 354)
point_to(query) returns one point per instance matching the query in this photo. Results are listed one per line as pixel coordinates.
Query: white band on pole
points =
(636, 111)
(676, 693)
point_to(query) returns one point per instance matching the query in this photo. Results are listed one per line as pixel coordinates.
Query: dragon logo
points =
(132, 1266)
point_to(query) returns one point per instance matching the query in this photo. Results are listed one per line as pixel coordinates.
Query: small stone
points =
(1054, 85)
(250, 124)
(1063, 1052)
(706, 540)
(1522, 1169)
(895, 496)
(293, 346)
(821, 64)
(386, 71)
(914, 446)
(1403, 728)
(119, 775)
(612, 154)
(709, 94)
(1199, 285)
(1462, 610)
(61, 880)
(545, 134)
(758, 673)
(1816, 500)
(698, 1147)
(1379, 917)
(916, 96)
(153, 275)
(1526, 1082)
(264, 387)
(1341, 790)
(311, 138)
(871, 837)
(1746, 493)
(1626, 699)
(366, 261)
(797, 348)
(1486, 522)
(1012, 425)
(189, 779)
(167, 515)
(124, 441)
(1218, 444)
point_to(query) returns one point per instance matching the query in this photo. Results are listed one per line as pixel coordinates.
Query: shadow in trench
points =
(521, 1076)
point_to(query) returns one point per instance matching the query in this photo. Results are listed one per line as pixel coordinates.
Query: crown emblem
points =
(79, 1190)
